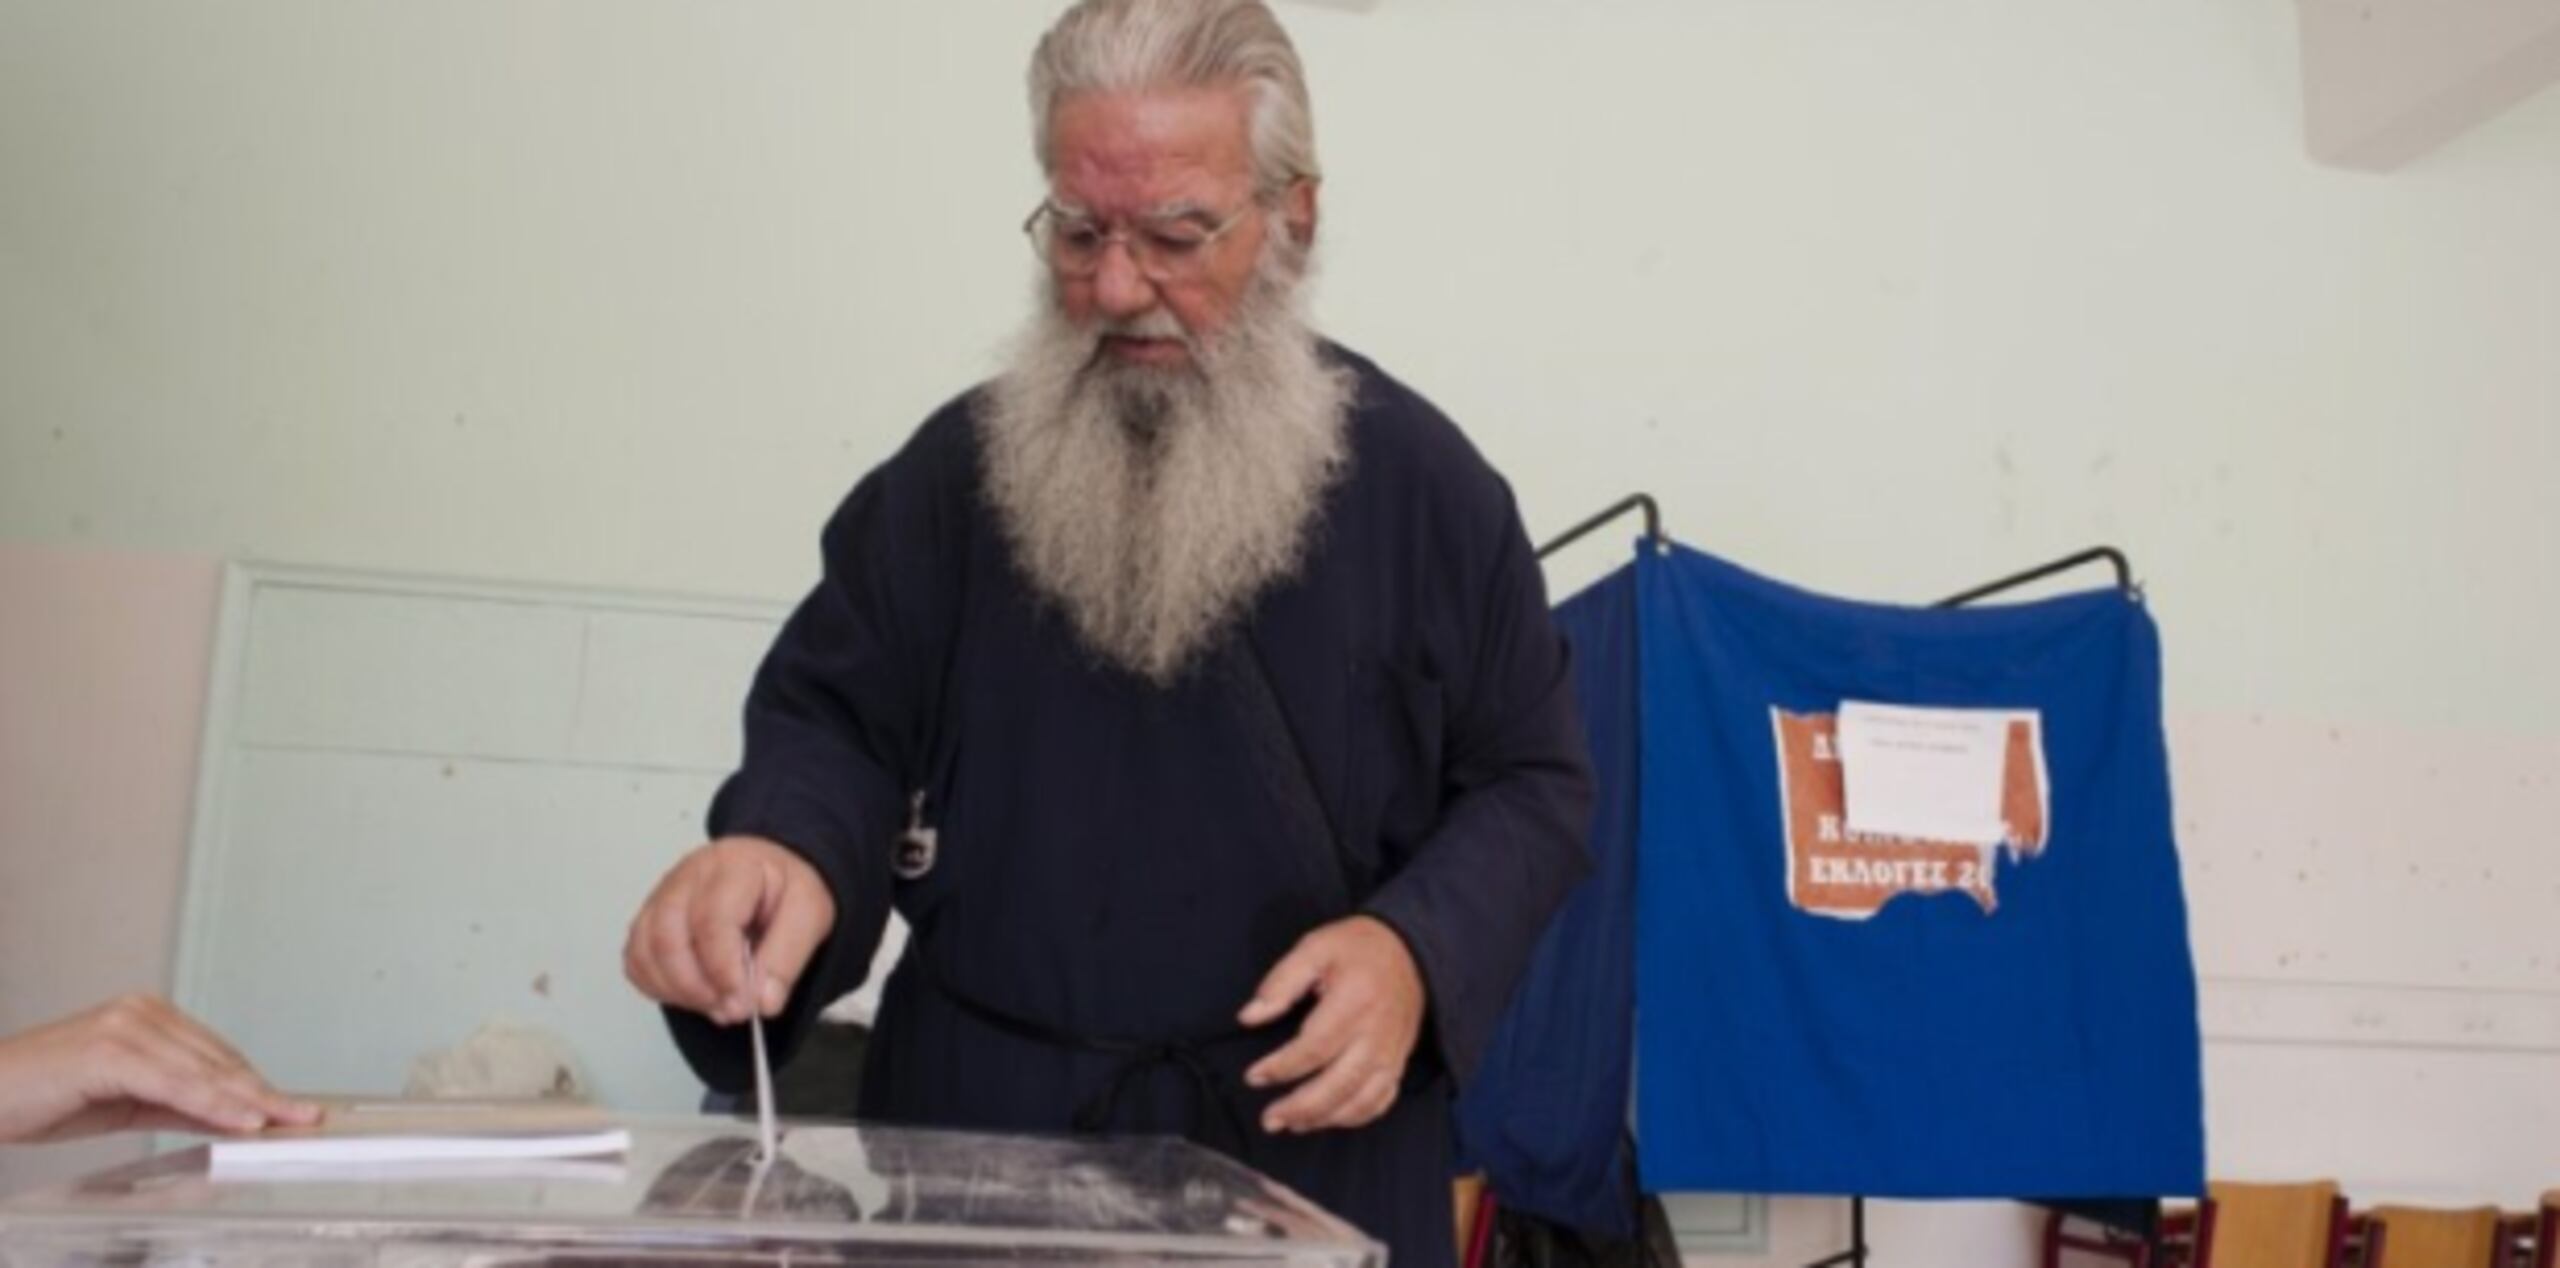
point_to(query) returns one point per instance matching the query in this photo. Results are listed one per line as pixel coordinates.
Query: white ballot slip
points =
(764, 1066)
(1924, 774)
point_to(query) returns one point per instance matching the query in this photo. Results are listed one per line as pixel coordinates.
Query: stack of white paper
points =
(379, 1138)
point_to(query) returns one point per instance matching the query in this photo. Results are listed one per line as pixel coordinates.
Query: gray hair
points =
(1126, 45)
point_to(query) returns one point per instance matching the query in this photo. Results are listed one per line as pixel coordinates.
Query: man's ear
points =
(1298, 211)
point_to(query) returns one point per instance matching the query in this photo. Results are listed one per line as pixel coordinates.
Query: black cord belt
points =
(1214, 1112)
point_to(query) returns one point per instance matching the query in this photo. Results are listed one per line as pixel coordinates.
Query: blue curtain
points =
(1849, 1016)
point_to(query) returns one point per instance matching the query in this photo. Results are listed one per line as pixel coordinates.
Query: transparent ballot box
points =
(690, 1191)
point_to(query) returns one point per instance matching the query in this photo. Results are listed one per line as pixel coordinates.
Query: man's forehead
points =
(1138, 151)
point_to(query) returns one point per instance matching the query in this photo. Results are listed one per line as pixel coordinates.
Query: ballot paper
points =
(764, 1066)
(372, 1135)
(606, 1168)
(1923, 774)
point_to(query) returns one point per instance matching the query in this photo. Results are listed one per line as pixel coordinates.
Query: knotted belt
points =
(1215, 1117)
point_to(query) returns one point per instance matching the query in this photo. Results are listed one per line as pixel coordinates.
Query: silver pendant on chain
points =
(914, 854)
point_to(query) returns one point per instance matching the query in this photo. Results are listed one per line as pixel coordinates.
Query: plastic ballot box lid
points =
(694, 1190)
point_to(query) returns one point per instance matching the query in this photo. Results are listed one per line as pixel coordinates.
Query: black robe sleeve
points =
(838, 718)
(1512, 838)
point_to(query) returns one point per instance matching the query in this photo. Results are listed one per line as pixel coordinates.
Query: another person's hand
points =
(1352, 1049)
(133, 1063)
(688, 946)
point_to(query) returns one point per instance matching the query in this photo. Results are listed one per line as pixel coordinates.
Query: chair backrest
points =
(2425, 1237)
(2270, 1226)
(1466, 1198)
(2546, 1232)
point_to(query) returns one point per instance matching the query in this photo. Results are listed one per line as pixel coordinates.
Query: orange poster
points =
(1832, 871)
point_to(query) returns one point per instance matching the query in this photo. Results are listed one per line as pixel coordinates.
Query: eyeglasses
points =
(1168, 248)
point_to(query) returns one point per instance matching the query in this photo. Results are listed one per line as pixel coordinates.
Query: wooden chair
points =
(2271, 1226)
(2236, 1226)
(2069, 1239)
(2546, 1232)
(1466, 1197)
(2427, 1237)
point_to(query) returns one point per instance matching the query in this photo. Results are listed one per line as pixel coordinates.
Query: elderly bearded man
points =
(1189, 688)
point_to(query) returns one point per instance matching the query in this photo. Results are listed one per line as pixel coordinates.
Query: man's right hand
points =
(688, 946)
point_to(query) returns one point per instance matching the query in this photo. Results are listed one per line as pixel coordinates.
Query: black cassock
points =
(1117, 864)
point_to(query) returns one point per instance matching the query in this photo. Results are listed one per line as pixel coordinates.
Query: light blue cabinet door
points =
(1719, 1223)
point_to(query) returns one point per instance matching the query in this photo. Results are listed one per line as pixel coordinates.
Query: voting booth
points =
(1886, 904)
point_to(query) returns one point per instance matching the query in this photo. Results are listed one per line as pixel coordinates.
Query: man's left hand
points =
(1348, 1059)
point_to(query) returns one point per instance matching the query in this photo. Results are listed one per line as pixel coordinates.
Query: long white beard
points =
(1153, 506)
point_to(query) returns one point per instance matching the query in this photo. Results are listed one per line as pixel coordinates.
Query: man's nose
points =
(1120, 290)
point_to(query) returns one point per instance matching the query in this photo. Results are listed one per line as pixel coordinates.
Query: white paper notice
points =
(1924, 774)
